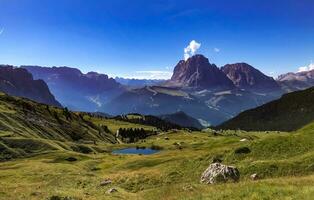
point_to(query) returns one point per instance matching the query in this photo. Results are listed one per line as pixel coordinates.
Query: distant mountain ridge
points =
(19, 82)
(78, 91)
(137, 83)
(296, 81)
(201, 90)
(291, 112)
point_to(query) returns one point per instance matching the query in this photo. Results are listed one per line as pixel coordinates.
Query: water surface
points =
(146, 151)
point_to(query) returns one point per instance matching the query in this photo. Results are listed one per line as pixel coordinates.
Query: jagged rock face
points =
(92, 82)
(245, 76)
(219, 173)
(296, 81)
(19, 82)
(197, 72)
(78, 91)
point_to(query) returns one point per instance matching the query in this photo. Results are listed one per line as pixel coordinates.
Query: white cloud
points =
(306, 68)
(191, 49)
(1, 31)
(216, 50)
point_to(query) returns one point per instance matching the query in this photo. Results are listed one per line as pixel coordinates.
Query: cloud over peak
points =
(306, 68)
(191, 49)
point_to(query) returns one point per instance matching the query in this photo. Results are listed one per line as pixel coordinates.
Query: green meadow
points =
(66, 156)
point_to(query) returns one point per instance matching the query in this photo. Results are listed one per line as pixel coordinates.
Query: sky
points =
(146, 39)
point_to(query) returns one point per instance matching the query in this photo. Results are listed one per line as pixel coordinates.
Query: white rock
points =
(254, 177)
(219, 173)
(105, 182)
(243, 140)
(111, 190)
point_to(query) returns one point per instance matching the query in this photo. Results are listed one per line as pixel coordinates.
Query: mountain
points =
(19, 82)
(296, 81)
(156, 100)
(291, 112)
(138, 83)
(201, 90)
(197, 72)
(77, 91)
(182, 119)
(244, 76)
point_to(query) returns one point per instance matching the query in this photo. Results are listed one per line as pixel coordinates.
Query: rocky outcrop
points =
(219, 173)
(197, 72)
(19, 82)
(244, 76)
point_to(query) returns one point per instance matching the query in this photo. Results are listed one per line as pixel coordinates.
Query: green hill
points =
(28, 128)
(291, 112)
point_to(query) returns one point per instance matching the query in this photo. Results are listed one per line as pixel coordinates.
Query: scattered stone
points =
(254, 177)
(105, 182)
(111, 190)
(243, 140)
(71, 159)
(219, 173)
(187, 188)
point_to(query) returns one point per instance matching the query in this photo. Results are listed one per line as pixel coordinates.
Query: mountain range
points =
(197, 87)
(75, 90)
(296, 81)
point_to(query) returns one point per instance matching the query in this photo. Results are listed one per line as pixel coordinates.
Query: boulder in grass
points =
(219, 173)
(254, 177)
(105, 182)
(112, 190)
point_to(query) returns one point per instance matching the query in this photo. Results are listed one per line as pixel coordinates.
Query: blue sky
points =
(141, 38)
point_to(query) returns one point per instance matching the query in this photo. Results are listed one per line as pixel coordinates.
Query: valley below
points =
(78, 161)
(283, 162)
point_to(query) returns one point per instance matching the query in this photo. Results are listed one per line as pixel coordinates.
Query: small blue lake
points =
(146, 151)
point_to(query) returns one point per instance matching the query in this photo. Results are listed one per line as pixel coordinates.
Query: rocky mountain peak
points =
(245, 76)
(197, 72)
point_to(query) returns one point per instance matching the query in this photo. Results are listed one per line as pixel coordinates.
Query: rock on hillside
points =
(219, 173)
(19, 82)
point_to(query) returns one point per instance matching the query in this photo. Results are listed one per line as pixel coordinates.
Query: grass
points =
(41, 159)
(174, 172)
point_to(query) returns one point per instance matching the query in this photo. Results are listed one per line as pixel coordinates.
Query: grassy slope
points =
(28, 128)
(283, 160)
(291, 112)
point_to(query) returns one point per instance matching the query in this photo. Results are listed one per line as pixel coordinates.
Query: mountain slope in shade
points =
(244, 76)
(138, 83)
(19, 82)
(292, 111)
(155, 100)
(197, 72)
(182, 119)
(296, 81)
(77, 91)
